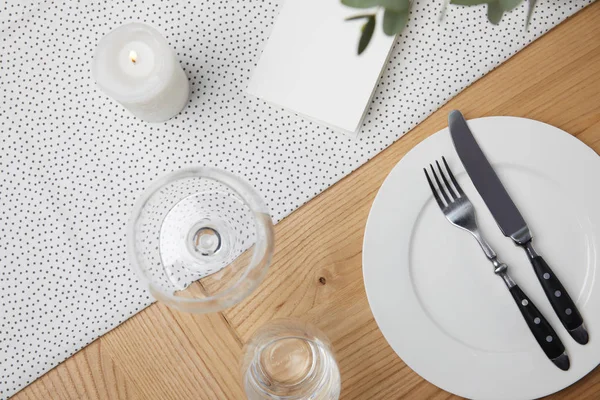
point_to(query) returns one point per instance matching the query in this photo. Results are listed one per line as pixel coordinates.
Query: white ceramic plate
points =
(434, 294)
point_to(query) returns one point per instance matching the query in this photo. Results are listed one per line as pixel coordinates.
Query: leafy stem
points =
(396, 14)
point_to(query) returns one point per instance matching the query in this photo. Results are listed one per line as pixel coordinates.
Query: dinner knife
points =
(512, 224)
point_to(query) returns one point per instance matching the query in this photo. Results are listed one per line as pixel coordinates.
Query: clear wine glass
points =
(292, 360)
(201, 239)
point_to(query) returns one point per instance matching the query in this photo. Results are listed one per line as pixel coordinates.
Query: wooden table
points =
(163, 354)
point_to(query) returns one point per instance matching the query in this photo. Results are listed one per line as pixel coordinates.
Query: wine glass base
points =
(193, 224)
(194, 240)
(204, 241)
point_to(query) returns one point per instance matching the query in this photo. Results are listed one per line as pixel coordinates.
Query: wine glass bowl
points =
(201, 239)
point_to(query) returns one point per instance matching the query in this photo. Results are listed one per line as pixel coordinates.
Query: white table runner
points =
(72, 162)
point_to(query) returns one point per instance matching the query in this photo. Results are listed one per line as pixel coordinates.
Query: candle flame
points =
(133, 56)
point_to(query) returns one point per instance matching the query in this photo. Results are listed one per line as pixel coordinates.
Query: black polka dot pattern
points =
(73, 162)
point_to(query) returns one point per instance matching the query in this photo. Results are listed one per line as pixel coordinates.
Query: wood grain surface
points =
(163, 354)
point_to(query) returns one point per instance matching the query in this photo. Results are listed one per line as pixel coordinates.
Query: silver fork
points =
(459, 210)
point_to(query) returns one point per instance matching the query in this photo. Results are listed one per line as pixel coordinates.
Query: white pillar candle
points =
(135, 65)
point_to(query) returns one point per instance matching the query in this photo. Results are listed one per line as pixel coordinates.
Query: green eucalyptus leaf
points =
(361, 16)
(367, 33)
(394, 22)
(530, 12)
(508, 5)
(360, 3)
(494, 12)
(395, 5)
(471, 2)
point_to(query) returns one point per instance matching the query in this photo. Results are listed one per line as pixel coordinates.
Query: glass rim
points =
(254, 375)
(238, 291)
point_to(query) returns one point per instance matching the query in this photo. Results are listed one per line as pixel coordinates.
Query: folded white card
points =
(310, 64)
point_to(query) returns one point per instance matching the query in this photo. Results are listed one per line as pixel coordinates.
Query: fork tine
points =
(452, 178)
(451, 192)
(434, 191)
(444, 194)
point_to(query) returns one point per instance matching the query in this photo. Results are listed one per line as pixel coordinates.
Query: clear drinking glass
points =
(292, 360)
(201, 239)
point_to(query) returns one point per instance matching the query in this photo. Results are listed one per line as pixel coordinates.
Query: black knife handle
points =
(561, 302)
(541, 329)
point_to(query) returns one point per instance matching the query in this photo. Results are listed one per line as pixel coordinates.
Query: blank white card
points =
(310, 64)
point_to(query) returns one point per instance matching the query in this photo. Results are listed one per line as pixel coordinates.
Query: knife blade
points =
(511, 222)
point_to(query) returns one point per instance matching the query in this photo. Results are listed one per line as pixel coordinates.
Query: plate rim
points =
(581, 147)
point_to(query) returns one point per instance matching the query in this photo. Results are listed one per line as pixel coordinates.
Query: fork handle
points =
(541, 329)
(559, 298)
